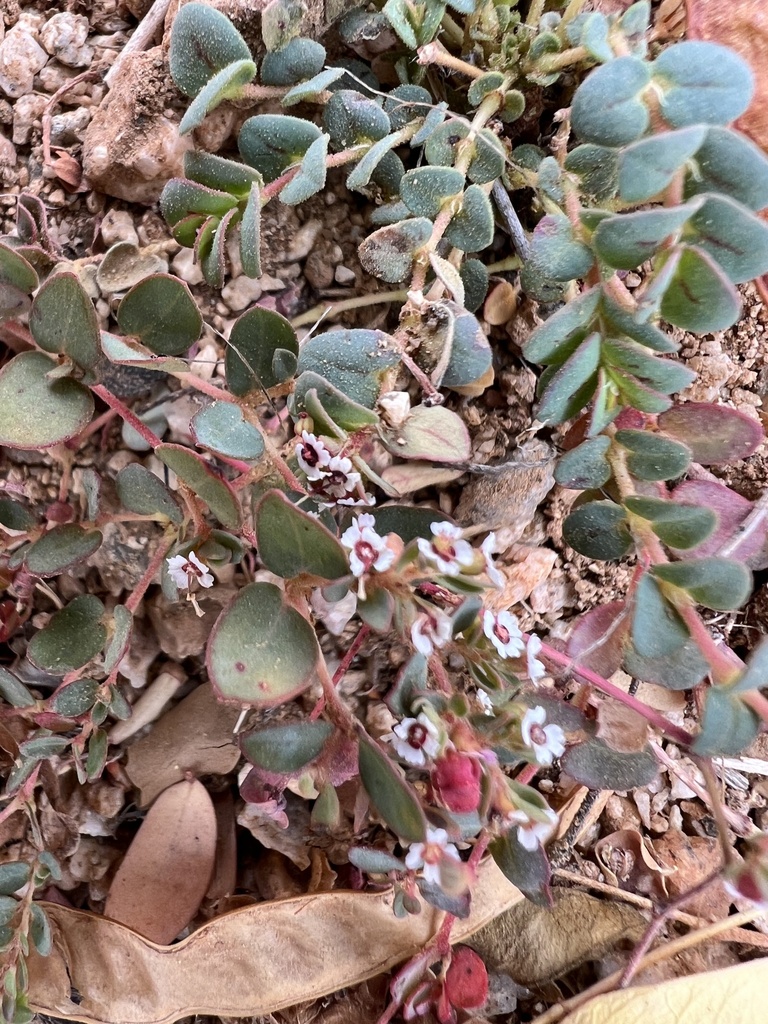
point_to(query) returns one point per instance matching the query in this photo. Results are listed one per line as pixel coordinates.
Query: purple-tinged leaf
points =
(599, 637)
(716, 434)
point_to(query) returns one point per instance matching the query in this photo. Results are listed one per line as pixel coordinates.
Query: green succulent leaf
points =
(26, 389)
(755, 676)
(476, 279)
(310, 91)
(391, 796)
(250, 234)
(361, 175)
(72, 637)
(629, 239)
(598, 169)
(662, 375)
(330, 407)
(593, 763)
(262, 652)
(702, 83)
(13, 875)
(717, 583)
(311, 176)
(716, 434)
(576, 372)
(732, 235)
(574, 318)
(122, 629)
(61, 548)
(221, 428)
(203, 481)
(352, 119)
(219, 173)
(355, 360)
(273, 142)
(699, 297)
(213, 256)
(652, 456)
(619, 321)
(486, 165)
(683, 669)
(388, 252)
(657, 629)
(586, 466)
(292, 543)
(253, 341)
(649, 165)
(399, 14)
(180, 198)
(296, 61)
(286, 749)
(607, 108)
(471, 229)
(425, 189)
(14, 516)
(203, 42)
(678, 526)
(483, 85)
(405, 103)
(375, 862)
(161, 313)
(728, 726)
(556, 251)
(13, 691)
(17, 272)
(76, 699)
(431, 433)
(599, 530)
(733, 165)
(528, 870)
(226, 84)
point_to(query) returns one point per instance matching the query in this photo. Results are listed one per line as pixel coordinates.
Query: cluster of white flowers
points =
(330, 476)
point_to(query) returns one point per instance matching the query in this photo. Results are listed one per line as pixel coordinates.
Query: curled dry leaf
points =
(195, 736)
(247, 963)
(733, 996)
(628, 860)
(536, 944)
(163, 878)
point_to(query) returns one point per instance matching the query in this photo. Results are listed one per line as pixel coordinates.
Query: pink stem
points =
(146, 580)
(344, 664)
(126, 415)
(674, 732)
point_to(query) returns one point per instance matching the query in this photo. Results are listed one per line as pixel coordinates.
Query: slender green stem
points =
(436, 53)
(330, 310)
(558, 61)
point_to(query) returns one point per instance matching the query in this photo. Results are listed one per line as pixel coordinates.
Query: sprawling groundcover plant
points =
(641, 172)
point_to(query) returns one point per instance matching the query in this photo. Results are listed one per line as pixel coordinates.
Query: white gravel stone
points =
(21, 57)
(183, 265)
(117, 226)
(241, 292)
(344, 275)
(26, 111)
(64, 37)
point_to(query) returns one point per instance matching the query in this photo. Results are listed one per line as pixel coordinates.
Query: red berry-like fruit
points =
(466, 980)
(456, 781)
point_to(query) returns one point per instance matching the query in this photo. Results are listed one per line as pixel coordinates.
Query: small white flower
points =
(488, 547)
(446, 549)
(367, 549)
(416, 739)
(547, 741)
(503, 631)
(430, 630)
(530, 832)
(536, 669)
(338, 479)
(312, 455)
(430, 853)
(484, 701)
(365, 502)
(186, 569)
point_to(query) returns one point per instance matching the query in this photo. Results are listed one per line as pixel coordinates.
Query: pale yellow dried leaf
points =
(247, 963)
(161, 882)
(733, 996)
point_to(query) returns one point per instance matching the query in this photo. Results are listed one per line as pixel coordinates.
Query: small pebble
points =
(242, 291)
(117, 226)
(21, 57)
(183, 265)
(344, 275)
(27, 112)
(64, 37)
(304, 240)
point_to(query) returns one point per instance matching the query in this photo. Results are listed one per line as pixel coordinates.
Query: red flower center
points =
(538, 736)
(310, 454)
(366, 553)
(502, 632)
(417, 736)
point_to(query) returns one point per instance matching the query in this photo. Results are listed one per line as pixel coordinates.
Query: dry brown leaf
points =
(621, 727)
(523, 569)
(507, 495)
(628, 860)
(243, 964)
(224, 878)
(195, 736)
(733, 996)
(537, 944)
(693, 858)
(161, 882)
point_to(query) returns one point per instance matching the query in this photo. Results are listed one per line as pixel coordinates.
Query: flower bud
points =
(456, 781)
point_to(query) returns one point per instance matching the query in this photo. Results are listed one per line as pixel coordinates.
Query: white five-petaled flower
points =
(446, 549)
(367, 550)
(312, 455)
(503, 631)
(416, 739)
(488, 547)
(530, 832)
(546, 741)
(186, 569)
(484, 701)
(535, 668)
(430, 853)
(430, 630)
(338, 479)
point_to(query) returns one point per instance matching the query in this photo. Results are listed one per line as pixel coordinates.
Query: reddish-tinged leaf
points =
(599, 637)
(164, 876)
(732, 510)
(715, 433)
